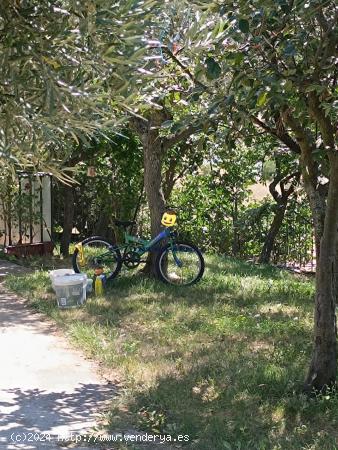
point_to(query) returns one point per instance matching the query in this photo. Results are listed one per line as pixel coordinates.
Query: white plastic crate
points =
(70, 290)
(53, 274)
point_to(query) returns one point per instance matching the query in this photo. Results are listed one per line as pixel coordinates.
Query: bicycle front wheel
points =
(180, 264)
(97, 252)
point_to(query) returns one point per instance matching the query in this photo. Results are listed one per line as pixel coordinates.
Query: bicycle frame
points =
(146, 245)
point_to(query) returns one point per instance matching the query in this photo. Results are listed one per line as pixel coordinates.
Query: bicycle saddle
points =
(124, 224)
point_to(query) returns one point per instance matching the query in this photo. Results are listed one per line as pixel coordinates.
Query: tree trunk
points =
(68, 217)
(153, 154)
(102, 223)
(336, 270)
(154, 150)
(317, 206)
(270, 238)
(153, 187)
(323, 368)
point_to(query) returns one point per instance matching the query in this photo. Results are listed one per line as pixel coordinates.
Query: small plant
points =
(152, 420)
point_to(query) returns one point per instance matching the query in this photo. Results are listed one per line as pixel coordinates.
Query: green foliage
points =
(213, 69)
(212, 198)
(59, 83)
(294, 243)
(205, 211)
(217, 211)
(269, 170)
(272, 56)
(113, 191)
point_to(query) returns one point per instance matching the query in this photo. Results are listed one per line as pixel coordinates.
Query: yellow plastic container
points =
(98, 286)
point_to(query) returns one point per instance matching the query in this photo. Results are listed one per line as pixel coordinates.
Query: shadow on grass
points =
(233, 302)
(236, 398)
(241, 284)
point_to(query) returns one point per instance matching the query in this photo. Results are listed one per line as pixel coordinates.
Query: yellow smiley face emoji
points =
(169, 219)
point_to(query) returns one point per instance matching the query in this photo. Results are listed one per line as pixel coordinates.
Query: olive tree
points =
(282, 57)
(59, 82)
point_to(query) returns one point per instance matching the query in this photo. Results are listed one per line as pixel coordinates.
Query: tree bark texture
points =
(153, 189)
(323, 368)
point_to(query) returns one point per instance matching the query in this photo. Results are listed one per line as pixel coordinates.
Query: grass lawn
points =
(222, 362)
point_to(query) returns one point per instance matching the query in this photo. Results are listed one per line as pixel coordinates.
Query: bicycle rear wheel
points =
(97, 252)
(180, 264)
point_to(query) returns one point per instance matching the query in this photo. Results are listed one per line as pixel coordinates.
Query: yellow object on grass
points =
(98, 286)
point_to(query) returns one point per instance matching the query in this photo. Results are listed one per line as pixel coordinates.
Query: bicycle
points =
(177, 263)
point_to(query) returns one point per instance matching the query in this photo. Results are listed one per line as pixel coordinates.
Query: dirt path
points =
(47, 390)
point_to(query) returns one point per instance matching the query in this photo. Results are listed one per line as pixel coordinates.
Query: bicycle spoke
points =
(95, 254)
(180, 264)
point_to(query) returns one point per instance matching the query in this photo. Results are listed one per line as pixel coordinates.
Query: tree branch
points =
(170, 141)
(282, 180)
(286, 193)
(184, 68)
(272, 188)
(283, 136)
